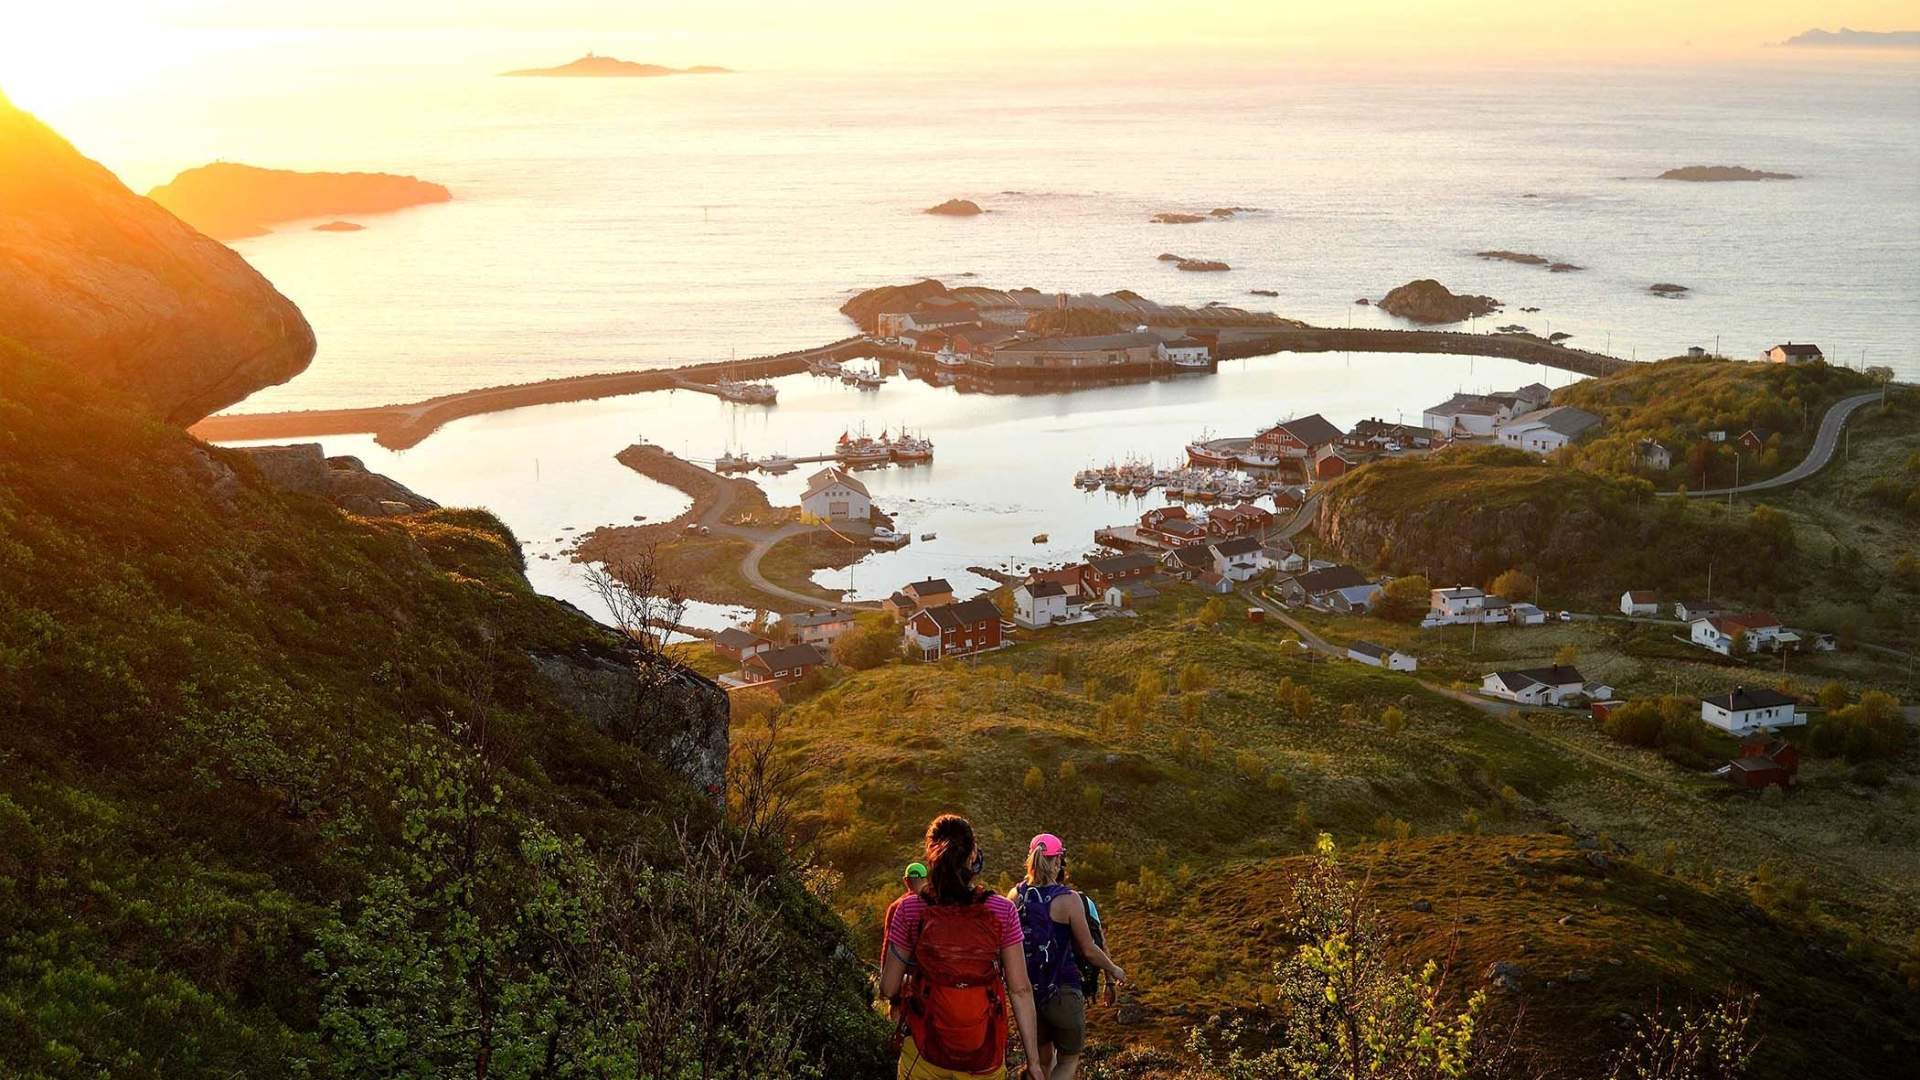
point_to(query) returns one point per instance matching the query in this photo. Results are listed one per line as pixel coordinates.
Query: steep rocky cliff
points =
(105, 282)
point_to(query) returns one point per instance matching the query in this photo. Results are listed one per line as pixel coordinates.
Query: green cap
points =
(915, 870)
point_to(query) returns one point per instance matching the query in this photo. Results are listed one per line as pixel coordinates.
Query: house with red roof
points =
(1760, 631)
(961, 629)
(1296, 438)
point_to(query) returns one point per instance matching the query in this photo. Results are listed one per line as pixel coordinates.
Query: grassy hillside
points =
(1177, 802)
(1678, 401)
(282, 793)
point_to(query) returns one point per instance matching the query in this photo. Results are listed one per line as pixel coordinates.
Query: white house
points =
(1792, 353)
(1039, 603)
(819, 627)
(1470, 414)
(1184, 352)
(1742, 710)
(1689, 610)
(1292, 563)
(1763, 632)
(1460, 604)
(1238, 559)
(1525, 614)
(1366, 652)
(1545, 430)
(833, 495)
(1535, 686)
(1639, 602)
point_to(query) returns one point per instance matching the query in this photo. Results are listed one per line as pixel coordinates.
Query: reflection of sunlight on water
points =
(1002, 473)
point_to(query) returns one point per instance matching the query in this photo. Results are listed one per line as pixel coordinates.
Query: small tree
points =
(1393, 720)
(1515, 584)
(1710, 1043)
(1192, 677)
(1036, 781)
(1405, 597)
(1302, 703)
(1565, 655)
(1069, 773)
(1834, 695)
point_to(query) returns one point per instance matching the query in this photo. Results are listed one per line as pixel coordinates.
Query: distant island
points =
(229, 202)
(1845, 38)
(955, 208)
(1721, 174)
(592, 66)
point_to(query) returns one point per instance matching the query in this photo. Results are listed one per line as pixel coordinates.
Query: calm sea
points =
(608, 224)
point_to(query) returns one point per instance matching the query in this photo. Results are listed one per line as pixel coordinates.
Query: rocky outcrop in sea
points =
(230, 202)
(955, 208)
(1427, 301)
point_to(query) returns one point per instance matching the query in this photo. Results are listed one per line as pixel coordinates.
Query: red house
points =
(788, 663)
(1115, 569)
(1067, 577)
(1754, 440)
(1329, 463)
(961, 629)
(739, 644)
(1169, 526)
(1764, 762)
(1297, 438)
(1238, 520)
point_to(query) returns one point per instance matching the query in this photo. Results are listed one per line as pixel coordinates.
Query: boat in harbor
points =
(862, 449)
(747, 393)
(1203, 451)
(731, 462)
(776, 463)
(867, 380)
(909, 448)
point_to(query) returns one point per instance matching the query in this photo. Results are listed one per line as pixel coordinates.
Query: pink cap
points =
(1047, 844)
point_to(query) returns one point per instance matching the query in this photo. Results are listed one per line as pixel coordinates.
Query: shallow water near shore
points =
(1002, 472)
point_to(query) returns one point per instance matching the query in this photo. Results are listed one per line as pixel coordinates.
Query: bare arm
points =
(1083, 938)
(893, 972)
(1013, 965)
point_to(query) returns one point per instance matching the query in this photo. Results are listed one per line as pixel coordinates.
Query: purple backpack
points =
(1048, 944)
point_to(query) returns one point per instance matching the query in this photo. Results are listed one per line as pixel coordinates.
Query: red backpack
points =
(955, 1007)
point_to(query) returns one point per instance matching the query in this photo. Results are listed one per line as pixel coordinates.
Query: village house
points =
(1241, 520)
(974, 342)
(1639, 602)
(1525, 614)
(821, 628)
(1742, 710)
(1329, 462)
(1185, 351)
(1762, 631)
(1105, 572)
(900, 605)
(957, 629)
(1546, 430)
(1376, 434)
(1067, 577)
(1465, 604)
(1466, 414)
(1755, 440)
(1134, 349)
(1553, 685)
(834, 495)
(1208, 581)
(1316, 585)
(1764, 762)
(929, 593)
(1132, 593)
(788, 663)
(1689, 610)
(1238, 559)
(1169, 526)
(1188, 562)
(1366, 652)
(1037, 604)
(1653, 454)
(1291, 563)
(1353, 599)
(1794, 353)
(738, 644)
(1296, 438)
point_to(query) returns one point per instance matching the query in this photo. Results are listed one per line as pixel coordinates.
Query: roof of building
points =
(1563, 419)
(1044, 588)
(735, 638)
(1246, 510)
(1312, 429)
(1120, 564)
(1495, 602)
(1752, 620)
(818, 618)
(830, 476)
(1186, 343)
(1535, 391)
(786, 657)
(931, 587)
(1139, 590)
(964, 613)
(1368, 648)
(1760, 434)
(1128, 340)
(1178, 526)
(1798, 349)
(1315, 582)
(1757, 764)
(1459, 592)
(1471, 404)
(1197, 556)
(1740, 699)
(1642, 596)
(1239, 545)
(943, 312)
(900, 599)
(1555, 675)
(1064, 575)
(1356, 594)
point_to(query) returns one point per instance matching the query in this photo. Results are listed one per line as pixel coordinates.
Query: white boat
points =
(1202, 452)
(947, 358)
(911, 448)
(867, 381)
(731, 462)
(928, 536)
(1192, 363)
(862, 449)
(748, 393)
(776, 463)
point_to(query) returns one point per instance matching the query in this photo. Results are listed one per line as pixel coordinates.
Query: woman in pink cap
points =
(1053, 923)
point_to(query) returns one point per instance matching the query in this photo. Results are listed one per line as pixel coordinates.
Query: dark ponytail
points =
(950, 848)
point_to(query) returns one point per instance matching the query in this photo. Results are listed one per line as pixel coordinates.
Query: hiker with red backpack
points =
(964, 948)
(1059, 940)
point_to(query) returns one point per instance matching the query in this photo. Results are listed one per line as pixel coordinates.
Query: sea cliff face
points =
(108, 283)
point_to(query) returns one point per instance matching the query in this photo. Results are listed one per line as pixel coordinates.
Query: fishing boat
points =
(747, 393)
(928, 536)
(776, 463)
(1254, 459)
(910, 448)
(1039, 538)
(731, 462)
(867, 380)
(1201, 451)
(862, 449)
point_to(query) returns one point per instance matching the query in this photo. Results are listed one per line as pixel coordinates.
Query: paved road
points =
(1824, 444)
(1302, 518)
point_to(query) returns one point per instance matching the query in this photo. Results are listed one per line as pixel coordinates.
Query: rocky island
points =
(955, 208)
(229, 201)
(1175, 217)
(1427, 301)
(1529, 259)
(592, 66)
(1202, 266)
(338, 226)
(1721, 174)
(1668, 289)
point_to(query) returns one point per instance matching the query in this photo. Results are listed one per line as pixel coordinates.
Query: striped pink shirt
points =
(904, 928)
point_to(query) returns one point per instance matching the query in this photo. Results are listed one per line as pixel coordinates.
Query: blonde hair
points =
(1044, 869)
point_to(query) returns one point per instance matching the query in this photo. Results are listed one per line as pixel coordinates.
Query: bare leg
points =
(1064, 1067)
